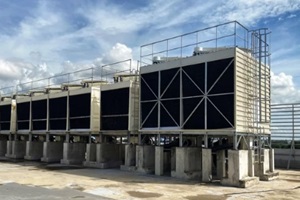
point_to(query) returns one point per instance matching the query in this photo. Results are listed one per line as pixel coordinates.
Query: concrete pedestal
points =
(238, 170)
(206, 165)
(159, 160)
(267, 167)
(16, 149)
(3, 147)
(145, 158)
(108, 156)
(221, 171)
(34, 150)
(130, 158)
(90, 155)
(188, 163)
(73, 153)
(52, 152)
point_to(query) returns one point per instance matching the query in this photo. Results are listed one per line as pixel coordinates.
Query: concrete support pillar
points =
(145, 158)
(238, 163)
(251, 164)
(3, 147)
(73, 153)
(221, 171)
(34, 150)
(188, 163)
(266, 162)
(107, 156)
(206, 165)
(159, 160)
(90, 155)
(16, 149)
(272, 160)
(130, 155)
(52, 152)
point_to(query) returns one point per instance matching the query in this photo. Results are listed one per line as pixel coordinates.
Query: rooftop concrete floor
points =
(34, 180)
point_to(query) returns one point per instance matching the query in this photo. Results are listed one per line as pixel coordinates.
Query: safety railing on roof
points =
(226, 35)
(100, 73)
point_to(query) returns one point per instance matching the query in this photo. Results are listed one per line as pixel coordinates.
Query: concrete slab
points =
(11, 191)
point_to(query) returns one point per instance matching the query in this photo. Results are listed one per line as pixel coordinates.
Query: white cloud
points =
(10, 70)
(283, 89)
(250, 12)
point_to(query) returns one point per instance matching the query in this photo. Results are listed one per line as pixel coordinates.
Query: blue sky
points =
(42, 37)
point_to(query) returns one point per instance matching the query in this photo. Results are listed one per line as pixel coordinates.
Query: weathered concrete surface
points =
(206, 165)
(34, 150)
(159, 160)
(3, 147)
(108, 156)
(221, 173)
(90, 154)
(130, 158)
(11, 191)
(16, 149)
(52, 152)
(73, 153)
(238, 163)
(188, 163)
(145, 158)
(117, 184)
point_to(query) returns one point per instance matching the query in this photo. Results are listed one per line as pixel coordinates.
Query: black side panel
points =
(193, 80)
(80, 105)
(193, 120)
(23, 110)
(114, 103)
(39, 125)
(58, 124)
(39, 115)
(81, 123)
(170, 108)
(5, 112)
(115, 123)
(220, 105)
(58, 107)
(220, 69)
(58, 113)
(149, 80)
(39, 109)
(151, 120)
(170, 83)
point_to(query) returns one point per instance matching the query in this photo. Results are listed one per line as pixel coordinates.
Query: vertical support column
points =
(221, 171)
(206, 165)
(199, 141)
(180, 139)
(67, 138)
(159, 160)
(271, 157)
(251, 165)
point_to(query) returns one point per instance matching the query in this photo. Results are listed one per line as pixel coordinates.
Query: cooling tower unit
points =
(119, 106)
(212, 92)
(84, 109)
